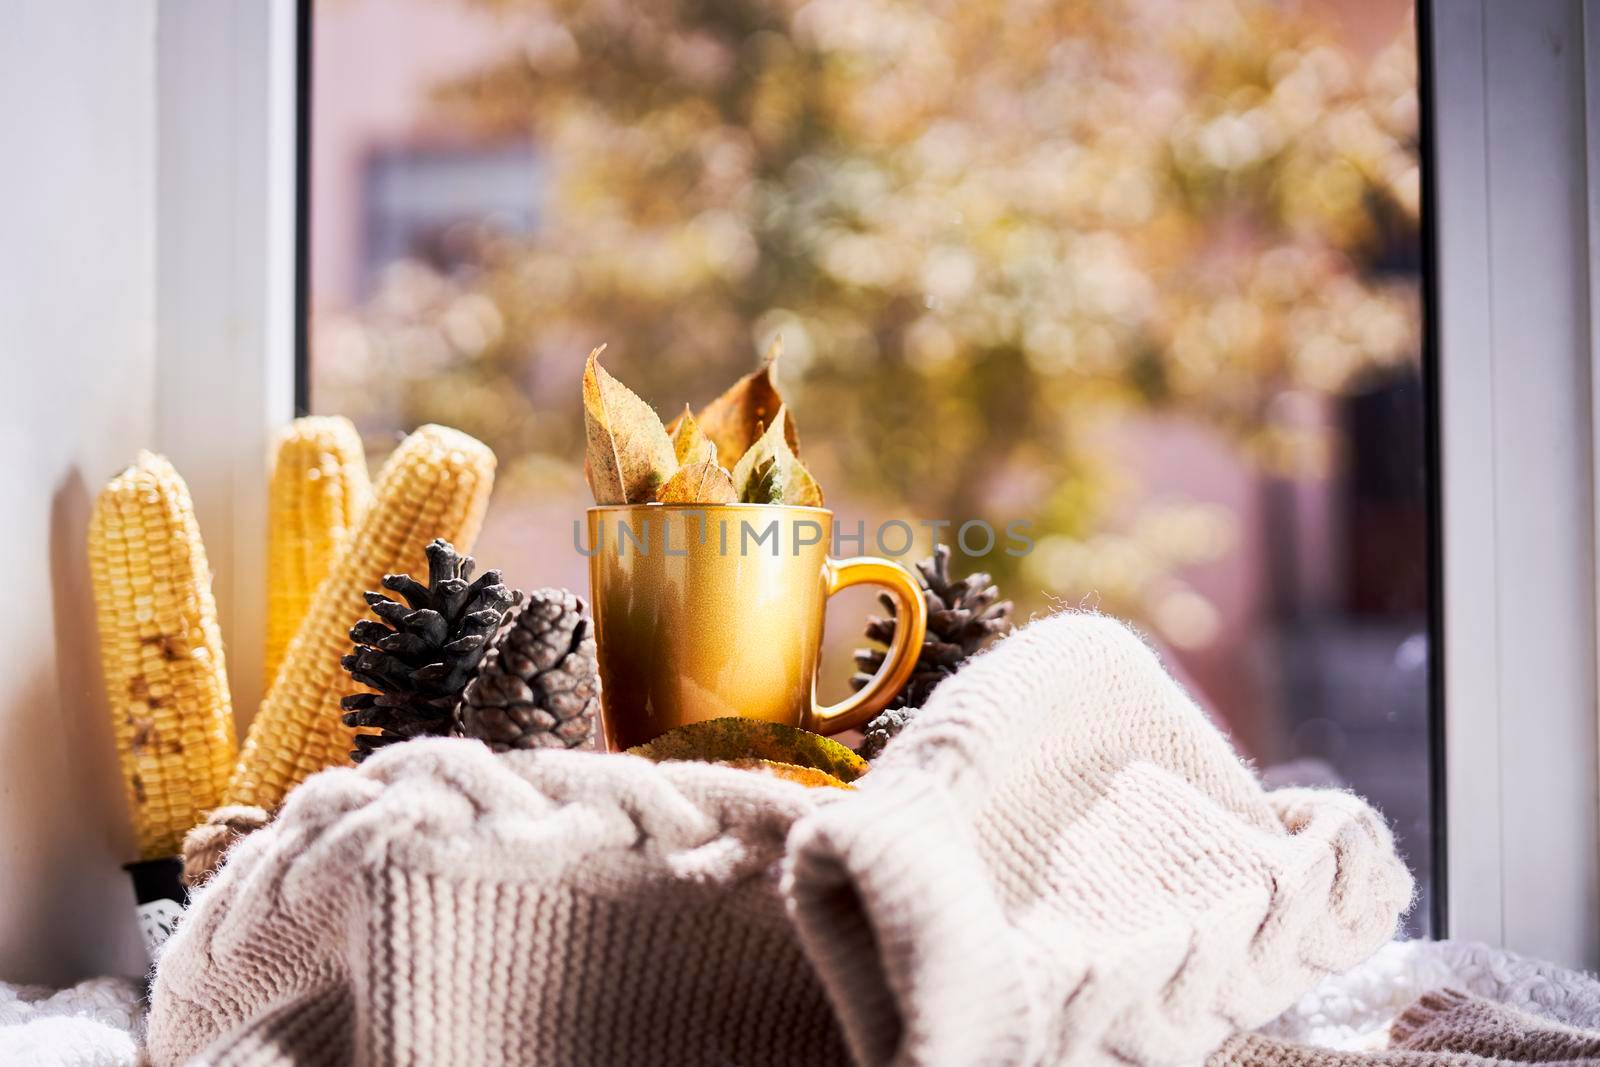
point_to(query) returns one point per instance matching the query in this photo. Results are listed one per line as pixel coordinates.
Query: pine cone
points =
(962, 616)
(884, 727)
(426, 654)
(538, 686)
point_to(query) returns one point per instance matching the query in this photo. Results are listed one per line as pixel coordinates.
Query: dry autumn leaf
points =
(770, 473)
(809, 777)
(704, 482)
(687, 437)
(733, 420)
(629, 454)
(802, 488)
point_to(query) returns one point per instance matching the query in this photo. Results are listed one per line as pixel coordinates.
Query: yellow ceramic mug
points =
(703, 611)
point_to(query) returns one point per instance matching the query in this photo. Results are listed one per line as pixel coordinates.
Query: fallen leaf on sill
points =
(734, 738)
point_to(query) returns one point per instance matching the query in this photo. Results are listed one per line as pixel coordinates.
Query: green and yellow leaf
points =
(809, 777)
(770, 473)
(765, 485)
(733, 739)
(629, 455)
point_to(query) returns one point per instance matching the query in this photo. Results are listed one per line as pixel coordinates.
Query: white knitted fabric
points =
(444, 905)
(1061, 861)
(98, 1022)
(93, 1024)
(1351, 1010)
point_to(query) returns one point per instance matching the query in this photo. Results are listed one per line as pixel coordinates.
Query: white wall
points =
(146, 301)
(77, 333)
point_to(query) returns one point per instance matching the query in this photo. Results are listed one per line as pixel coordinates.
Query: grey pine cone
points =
(422, 653)
(885, 727)
(538, 685)
(963, 614)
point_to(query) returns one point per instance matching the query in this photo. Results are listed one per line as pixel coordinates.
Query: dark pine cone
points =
(423, 658)
(538, 687)
(877, 734)
(962, 616)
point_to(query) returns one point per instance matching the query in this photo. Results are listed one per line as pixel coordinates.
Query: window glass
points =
(1143, 275)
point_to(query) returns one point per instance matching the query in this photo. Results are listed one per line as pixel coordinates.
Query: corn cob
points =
(161, 652)
(435, 485)
(318, 492)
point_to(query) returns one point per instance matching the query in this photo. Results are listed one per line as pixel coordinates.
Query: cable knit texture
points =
(446, 905)
(1059, 861)
(1351, 1010)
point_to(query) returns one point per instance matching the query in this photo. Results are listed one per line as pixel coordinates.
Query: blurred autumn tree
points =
(975, 224)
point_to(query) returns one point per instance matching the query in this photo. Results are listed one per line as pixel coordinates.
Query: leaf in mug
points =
(629, 454)
(770, 473)
(758, 472)
(734, 420)
(766, 484)
(687, 437)
(704, 482)
(803, 489)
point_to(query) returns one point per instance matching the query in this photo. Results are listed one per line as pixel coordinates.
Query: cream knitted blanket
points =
(1060, 861)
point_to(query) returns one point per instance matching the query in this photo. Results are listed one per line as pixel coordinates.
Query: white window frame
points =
(226, 77)
(1515, 131)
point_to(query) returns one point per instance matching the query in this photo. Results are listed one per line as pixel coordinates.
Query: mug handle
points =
(911, 623)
